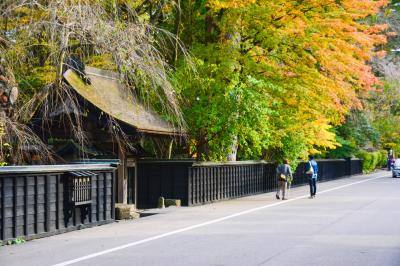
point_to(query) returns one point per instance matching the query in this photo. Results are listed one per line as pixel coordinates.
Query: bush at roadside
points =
(383, 158)
(372, 160)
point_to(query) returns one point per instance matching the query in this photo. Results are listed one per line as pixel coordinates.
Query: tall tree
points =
(304, 63)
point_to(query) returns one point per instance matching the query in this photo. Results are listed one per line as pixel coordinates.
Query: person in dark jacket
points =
(390, 160)
(283, 173)
(312, 175)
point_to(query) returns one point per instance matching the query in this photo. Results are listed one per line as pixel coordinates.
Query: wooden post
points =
(14, 218)
(25, 178)
(112, 197)
(122, 177)
(58, 212)
(36, 207)
(189, 189)
(136, 185)
(98, 198)
(47, 202)
(105, 196)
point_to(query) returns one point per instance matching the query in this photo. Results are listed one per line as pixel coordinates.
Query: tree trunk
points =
(232, 156)
(178, 18)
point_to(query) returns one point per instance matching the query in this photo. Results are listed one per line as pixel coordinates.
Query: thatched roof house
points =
(107, 94)
(101, 93)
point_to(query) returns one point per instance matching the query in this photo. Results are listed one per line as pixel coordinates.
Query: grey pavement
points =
(352, 221)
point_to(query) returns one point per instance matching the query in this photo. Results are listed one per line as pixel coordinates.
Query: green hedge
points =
(372, 160)
(383, 158)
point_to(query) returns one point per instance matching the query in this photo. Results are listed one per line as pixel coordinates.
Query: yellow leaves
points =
(46, 75)
(23, 15)
(289, 74)
(292, 101)
(319, 136)
(295, 27)
(359, 9)
(104, 61)
(217, 5)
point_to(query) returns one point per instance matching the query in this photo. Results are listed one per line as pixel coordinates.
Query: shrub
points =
(372, 160)
(366, 159)
(383, 158)
(375, 160)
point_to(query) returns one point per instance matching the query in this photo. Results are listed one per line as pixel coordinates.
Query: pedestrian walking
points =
(283, 174)
(312, 175)
(390, 160)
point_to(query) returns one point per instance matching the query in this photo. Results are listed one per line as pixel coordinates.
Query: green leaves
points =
(222, 106)
(273, 77)
(15, 241)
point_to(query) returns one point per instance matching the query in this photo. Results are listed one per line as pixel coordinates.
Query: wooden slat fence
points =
(166, 178)
(213, 182)
(207, 184)
(355, 166)
(202, 183)
(35, 201)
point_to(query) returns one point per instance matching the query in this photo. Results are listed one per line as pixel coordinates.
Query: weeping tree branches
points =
(135, 47)
(17, 141)
(45, 33)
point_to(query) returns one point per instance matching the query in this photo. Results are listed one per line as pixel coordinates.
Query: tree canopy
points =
(256, 78)
(304, 64)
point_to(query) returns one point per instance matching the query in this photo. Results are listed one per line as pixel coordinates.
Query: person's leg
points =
(311, 186)
(315, 185)
(284, 190)
(278, 190)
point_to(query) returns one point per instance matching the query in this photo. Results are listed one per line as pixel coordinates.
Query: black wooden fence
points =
(157, 178)
(201, 183)
(354, 166)
(38, 201)
(213, 182)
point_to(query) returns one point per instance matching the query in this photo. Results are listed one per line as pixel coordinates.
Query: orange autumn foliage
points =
(317, 51)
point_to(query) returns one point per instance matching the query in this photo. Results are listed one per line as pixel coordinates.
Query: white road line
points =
(136, 243)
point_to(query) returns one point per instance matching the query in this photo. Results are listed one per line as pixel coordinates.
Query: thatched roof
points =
(107, 94)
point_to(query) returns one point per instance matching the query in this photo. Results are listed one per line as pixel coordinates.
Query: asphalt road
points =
(352, 221)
